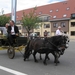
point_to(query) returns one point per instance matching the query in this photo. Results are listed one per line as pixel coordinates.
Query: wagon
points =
(19, 45)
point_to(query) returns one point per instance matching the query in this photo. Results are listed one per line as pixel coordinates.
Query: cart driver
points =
(6, 28)
(13, 32)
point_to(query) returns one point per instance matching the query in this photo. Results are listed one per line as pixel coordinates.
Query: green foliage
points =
(30, 21)
(3, 20)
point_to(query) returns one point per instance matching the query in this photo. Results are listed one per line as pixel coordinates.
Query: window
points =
(63, 24)
(73, 16)
(38, 33)
(46, 18)
(18, 22)
(50, 10)
(72, 33)
(48, 33)
(54, 16)
(72, 24)
(67, 8)
(64, 15)
(55, 24)
(37, 27)
(57, 10)
(46, 25)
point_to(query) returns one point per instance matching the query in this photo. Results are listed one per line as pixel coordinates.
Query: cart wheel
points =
(11, 52)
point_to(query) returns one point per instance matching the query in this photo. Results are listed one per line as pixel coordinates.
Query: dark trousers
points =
(11, 39)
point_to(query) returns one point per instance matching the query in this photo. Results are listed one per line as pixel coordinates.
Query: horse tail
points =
(27, 52)
(27, 47)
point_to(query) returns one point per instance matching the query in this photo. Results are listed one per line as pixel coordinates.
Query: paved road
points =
(17, 66)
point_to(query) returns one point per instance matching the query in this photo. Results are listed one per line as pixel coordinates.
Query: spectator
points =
(45, 33)
(7, 24)
(59, 31)
(6, 28)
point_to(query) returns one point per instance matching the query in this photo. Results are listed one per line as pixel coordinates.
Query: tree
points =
(30, 21)
(3, 20)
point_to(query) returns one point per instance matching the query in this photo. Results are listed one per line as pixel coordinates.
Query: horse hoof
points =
(24, 59)
(36, 61)
(56, 62)
(45, 63)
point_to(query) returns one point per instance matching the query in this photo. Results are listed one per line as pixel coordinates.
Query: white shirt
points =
(12, 30)
(58, 32)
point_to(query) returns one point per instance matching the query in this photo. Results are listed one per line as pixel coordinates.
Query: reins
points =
(52, 44)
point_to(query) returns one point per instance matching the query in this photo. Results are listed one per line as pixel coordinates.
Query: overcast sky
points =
(23, 4)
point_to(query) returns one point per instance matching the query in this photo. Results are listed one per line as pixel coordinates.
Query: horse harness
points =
(57, 48)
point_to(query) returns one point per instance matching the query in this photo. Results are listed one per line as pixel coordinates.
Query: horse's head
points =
(66, 40)
(61, 42)
(55, 41)
(64, 43)
(58, 40)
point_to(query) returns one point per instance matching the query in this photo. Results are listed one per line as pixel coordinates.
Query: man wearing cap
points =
(58, 31)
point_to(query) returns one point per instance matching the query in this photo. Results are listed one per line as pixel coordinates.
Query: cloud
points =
(5, 5)
(23, 4)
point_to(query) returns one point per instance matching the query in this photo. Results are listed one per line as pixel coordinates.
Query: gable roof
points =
(58, 10)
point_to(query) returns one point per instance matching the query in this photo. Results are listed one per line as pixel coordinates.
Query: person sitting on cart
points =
(6, 28)
(13, 32)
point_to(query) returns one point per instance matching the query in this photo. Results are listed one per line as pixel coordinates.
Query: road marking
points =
(11, 71)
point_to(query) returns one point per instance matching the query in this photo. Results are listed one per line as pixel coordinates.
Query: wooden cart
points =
(20, 43)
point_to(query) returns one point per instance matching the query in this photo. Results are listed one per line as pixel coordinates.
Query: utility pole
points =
(13, 10)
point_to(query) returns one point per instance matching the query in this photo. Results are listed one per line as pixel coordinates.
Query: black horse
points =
(55, 45)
